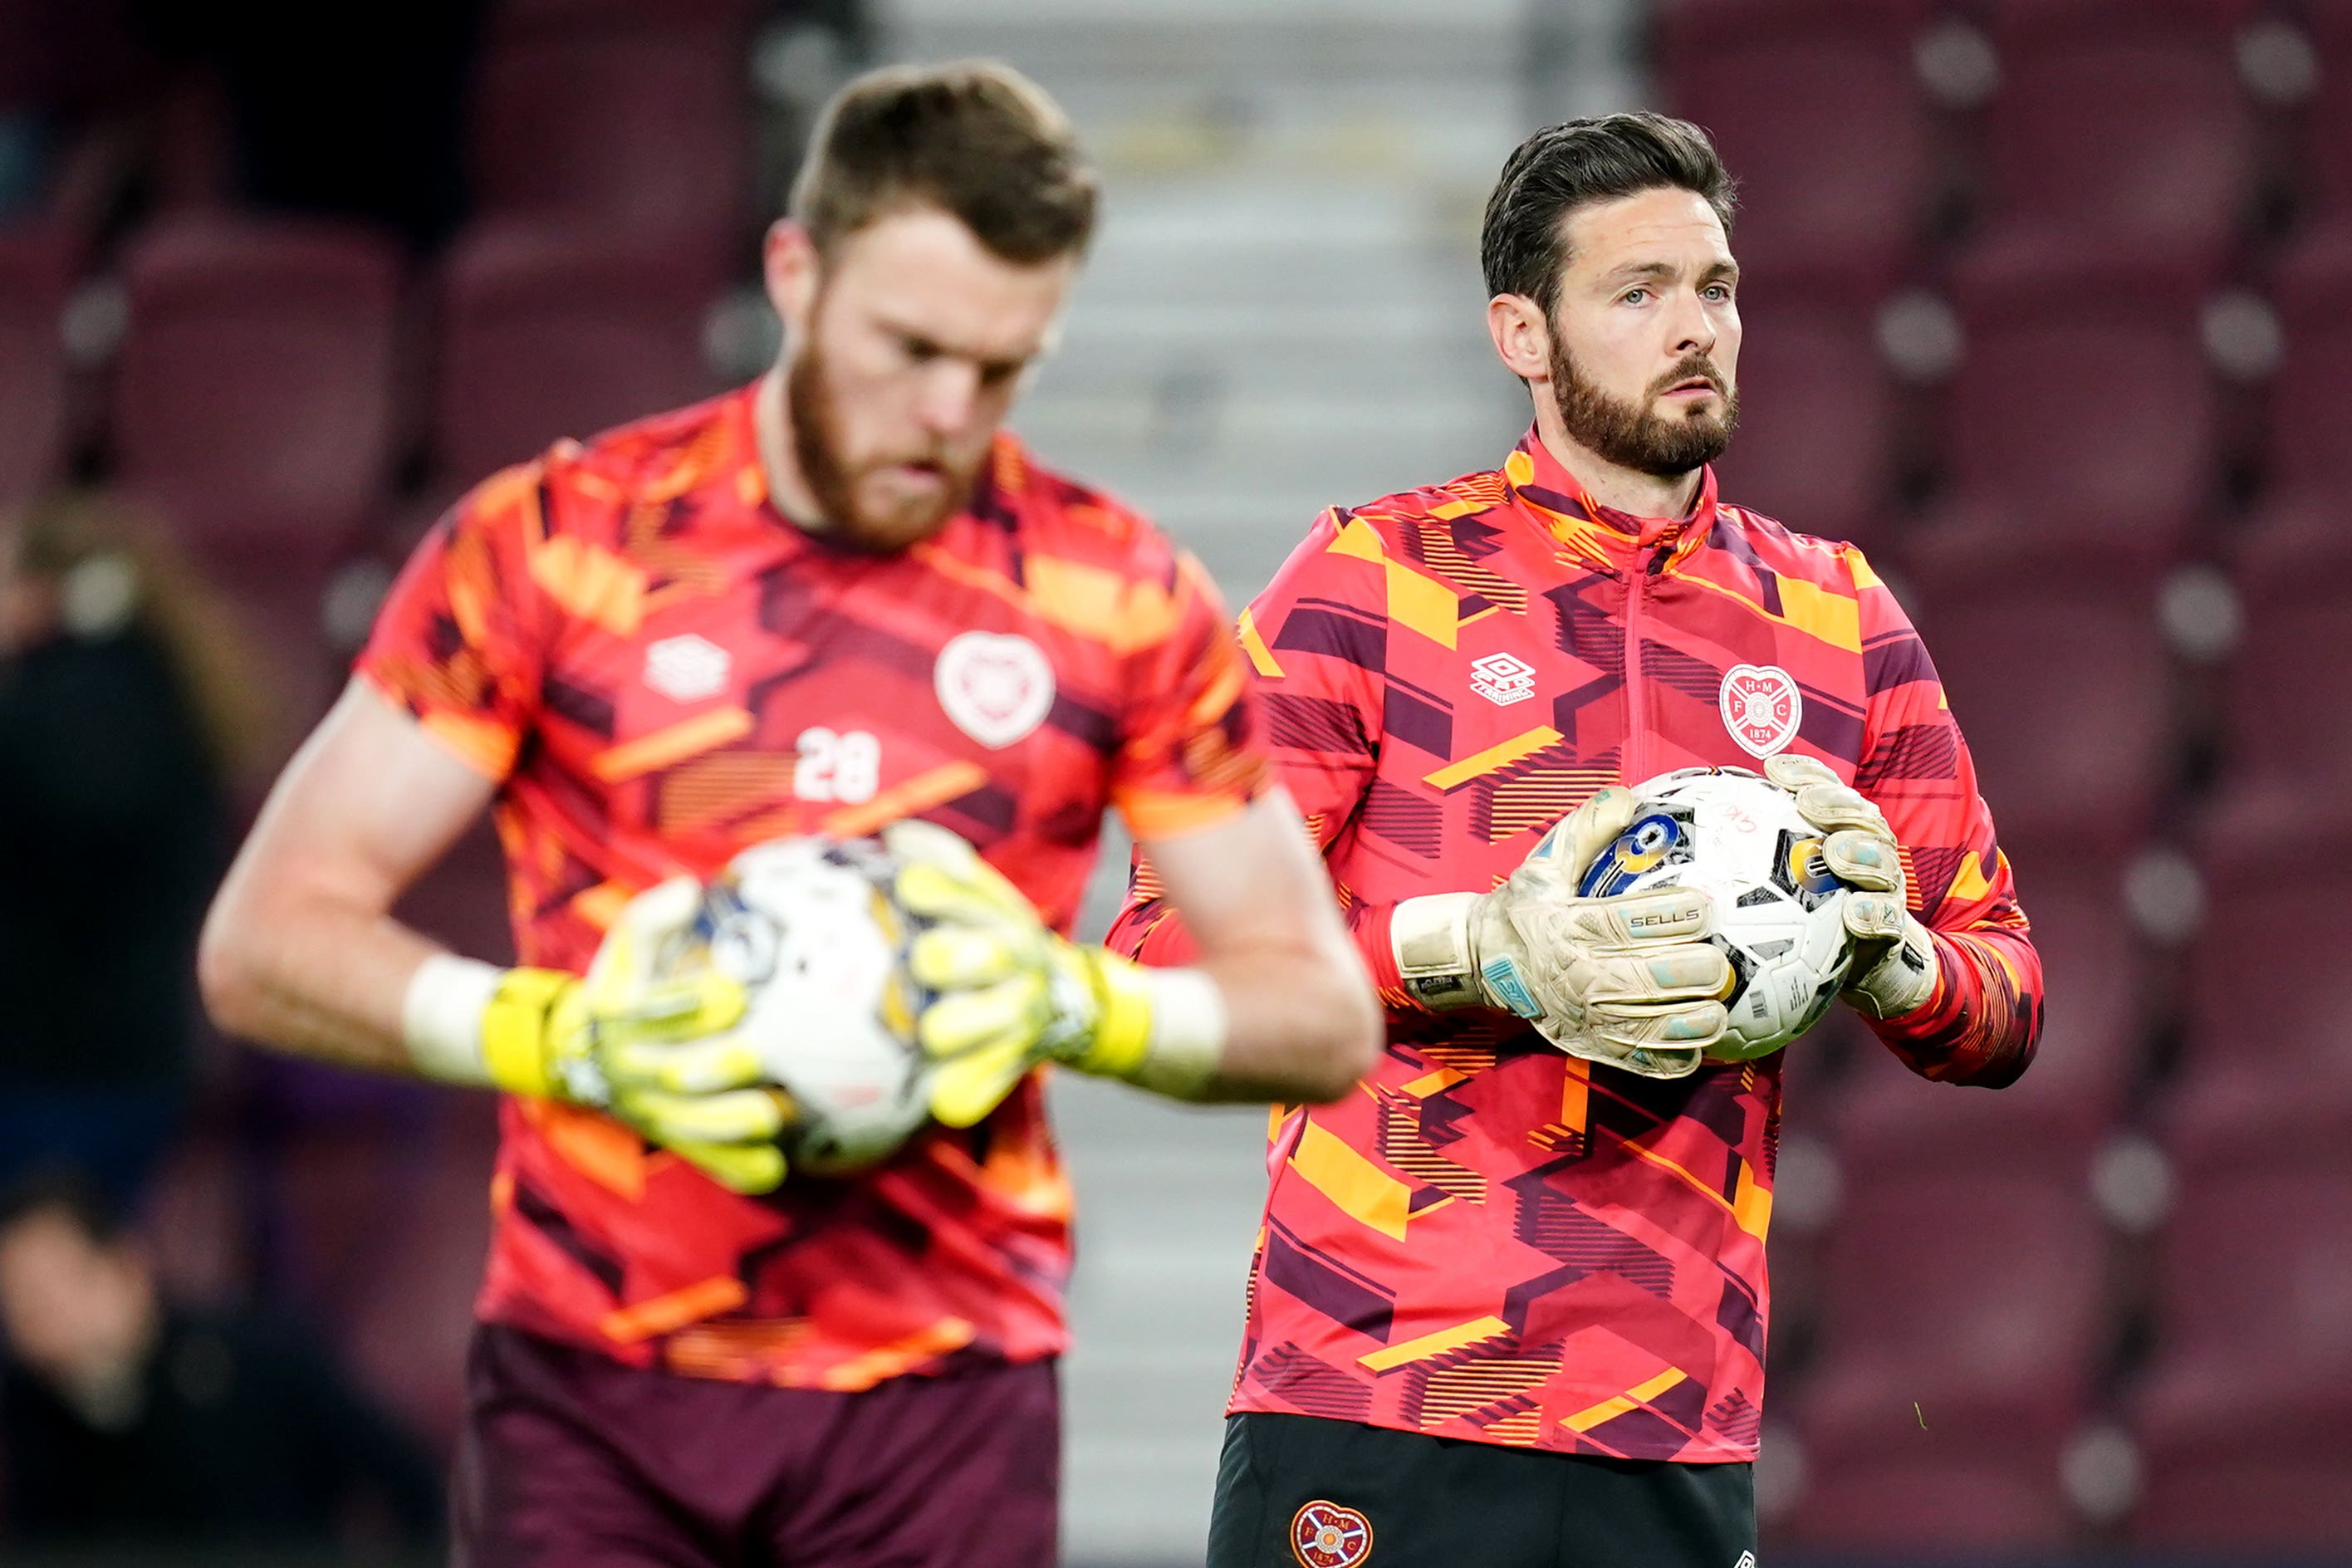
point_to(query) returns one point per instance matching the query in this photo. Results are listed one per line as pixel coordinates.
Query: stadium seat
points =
(623, 116)
(2055, 667)
(551, 332)
(2323, 155)
(2240, 1416)
(2083, 398)
(2308, 443)
(1963, 1320)
(1819, 413)
(2054, 1118)
(1815, 104)
(256, 380)
(34, 278)
(1925, 1493)
(2121, 124)
(2267, 1064)
(2287, 695)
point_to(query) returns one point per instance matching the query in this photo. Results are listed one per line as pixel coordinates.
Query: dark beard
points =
(815, 430)
(1629, 435)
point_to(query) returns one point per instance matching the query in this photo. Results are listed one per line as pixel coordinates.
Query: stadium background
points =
(2049, 306)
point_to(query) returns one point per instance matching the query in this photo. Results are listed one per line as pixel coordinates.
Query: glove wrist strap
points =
(1163, 1029)
(516, 1028)
(1435, 964)
(441, 1016)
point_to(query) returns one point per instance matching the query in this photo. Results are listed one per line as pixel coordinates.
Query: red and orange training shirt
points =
(659, 670)
(1489, 1239)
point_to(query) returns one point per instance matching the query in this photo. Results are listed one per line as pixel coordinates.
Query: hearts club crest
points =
(996, 687)
(1325, 1535)
(1761, 706)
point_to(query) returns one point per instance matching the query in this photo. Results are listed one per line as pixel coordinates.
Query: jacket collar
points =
(1600, 536)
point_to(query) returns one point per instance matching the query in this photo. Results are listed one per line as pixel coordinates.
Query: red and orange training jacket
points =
(659, 670)
(1489, 1239)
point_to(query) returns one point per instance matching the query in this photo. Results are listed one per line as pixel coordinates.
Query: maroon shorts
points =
(570, 1458)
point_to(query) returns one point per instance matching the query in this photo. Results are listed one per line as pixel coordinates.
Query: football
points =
(809, 929)
(1740, 838)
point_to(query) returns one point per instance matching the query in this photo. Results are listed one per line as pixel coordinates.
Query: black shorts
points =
(570, 1459)
(1299, 1492)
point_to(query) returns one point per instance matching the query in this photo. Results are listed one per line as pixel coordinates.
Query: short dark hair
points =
(65, 1192)
(1524, 242)
(974, 138)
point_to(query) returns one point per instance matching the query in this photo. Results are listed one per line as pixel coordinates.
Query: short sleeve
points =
(1189, 752)
(458, 642)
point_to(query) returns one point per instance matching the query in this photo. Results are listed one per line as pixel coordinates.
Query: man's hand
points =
(1628, 981)
(1894, 963)
(653, 1053)
(1013, 993)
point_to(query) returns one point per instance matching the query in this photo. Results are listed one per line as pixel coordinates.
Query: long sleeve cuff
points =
(1982, 1022)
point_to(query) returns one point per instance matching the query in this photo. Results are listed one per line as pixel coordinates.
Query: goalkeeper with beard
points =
(1508, 1296)
(838, 601)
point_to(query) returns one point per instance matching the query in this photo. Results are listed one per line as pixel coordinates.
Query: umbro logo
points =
(1746, 1560)
(1502, 679)
(687, 668)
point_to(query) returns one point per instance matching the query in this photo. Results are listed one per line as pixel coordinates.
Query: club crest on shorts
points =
(997, 687)
(1761, 706)
(1325, 1535)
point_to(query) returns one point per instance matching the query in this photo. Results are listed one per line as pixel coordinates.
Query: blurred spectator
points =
(126, 1418)
(121, 720)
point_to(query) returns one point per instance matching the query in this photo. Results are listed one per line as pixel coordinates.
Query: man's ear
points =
(1522, 337)
(791, 269)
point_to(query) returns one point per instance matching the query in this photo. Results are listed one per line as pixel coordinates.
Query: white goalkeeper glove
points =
(1629, 981)
(1894, 963)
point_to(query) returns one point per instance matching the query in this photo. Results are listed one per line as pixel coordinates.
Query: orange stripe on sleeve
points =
(649, 754)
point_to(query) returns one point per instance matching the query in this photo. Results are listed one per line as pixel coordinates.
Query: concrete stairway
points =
(1283, 312)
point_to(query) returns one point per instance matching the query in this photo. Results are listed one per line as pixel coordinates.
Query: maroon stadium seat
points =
(2082, 398)
(552, 332)
(2287, 697)
(1962, 1323)
(2323, 163)
(34, 277)
(254, 407)
(2266, 1063)
(641, 120)
(1816, 106)
(2053, 664)
(2240, 1416)
(1819, 413)
(1926, 1494)
(2121, 124)
(2309, 441)
(256, 379)
(2054, 1118)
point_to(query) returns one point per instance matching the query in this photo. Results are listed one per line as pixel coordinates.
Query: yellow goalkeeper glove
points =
(649, 1050)
(1012, 992)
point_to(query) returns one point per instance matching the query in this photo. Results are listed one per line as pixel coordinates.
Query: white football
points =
(1778, 909)
(809, 928)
